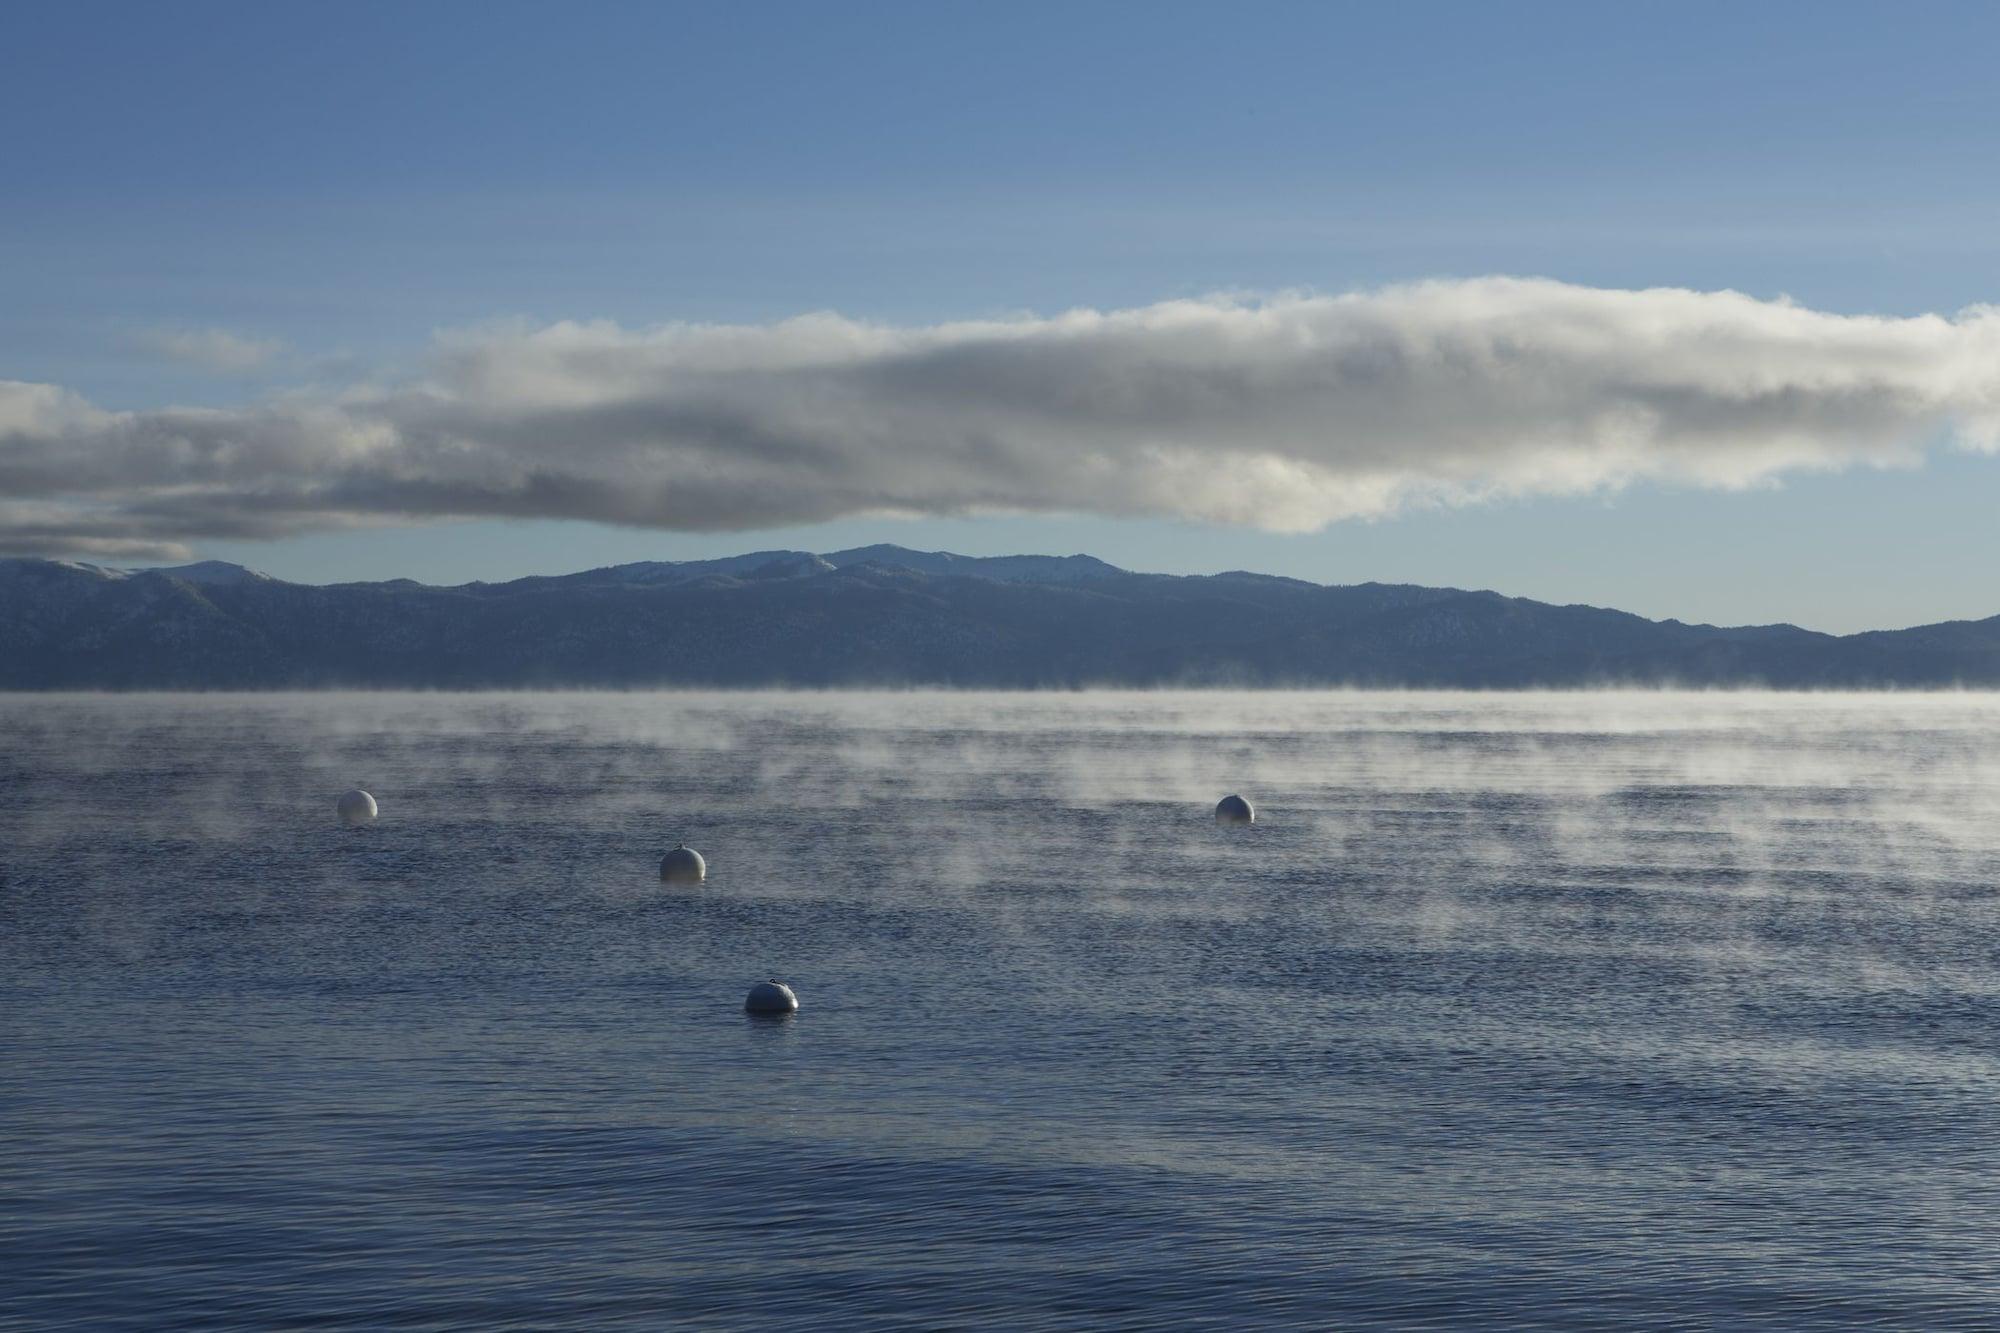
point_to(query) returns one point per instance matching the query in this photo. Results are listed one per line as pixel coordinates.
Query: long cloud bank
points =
(1286, 414)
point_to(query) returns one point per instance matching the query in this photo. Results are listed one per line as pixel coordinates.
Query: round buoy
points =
(683, 865)
(356, 808)
(771, 997)
(1234, 810)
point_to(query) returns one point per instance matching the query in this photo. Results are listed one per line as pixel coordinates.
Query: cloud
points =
(1287, 414)
(209, 349)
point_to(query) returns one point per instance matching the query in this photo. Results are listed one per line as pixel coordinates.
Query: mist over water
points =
(1582, 1010)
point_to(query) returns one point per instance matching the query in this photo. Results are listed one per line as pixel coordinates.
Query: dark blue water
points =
(1541, 1011)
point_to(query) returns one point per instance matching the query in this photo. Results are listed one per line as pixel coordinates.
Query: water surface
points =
(1589, 1010)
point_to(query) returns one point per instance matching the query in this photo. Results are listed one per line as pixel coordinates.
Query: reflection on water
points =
(1603, 1009)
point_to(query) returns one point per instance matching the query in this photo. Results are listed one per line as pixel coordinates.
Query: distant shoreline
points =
(880, 617)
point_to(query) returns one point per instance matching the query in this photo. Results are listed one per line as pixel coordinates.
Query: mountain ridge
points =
(886, 616)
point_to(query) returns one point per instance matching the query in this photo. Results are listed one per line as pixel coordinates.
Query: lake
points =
(1593, 1010)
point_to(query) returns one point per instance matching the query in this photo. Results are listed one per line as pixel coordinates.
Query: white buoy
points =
(1234, 810)
(683, 865)
(771, 997)
(356, 808)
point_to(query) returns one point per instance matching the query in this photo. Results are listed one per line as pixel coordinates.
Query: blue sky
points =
(209, 205)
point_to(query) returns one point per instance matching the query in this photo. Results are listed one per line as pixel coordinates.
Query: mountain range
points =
(886, 616)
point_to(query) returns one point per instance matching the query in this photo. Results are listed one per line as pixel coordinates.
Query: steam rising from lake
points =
(1640, 1006)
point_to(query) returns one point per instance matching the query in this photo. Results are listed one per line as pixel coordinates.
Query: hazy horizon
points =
(1563, 892)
